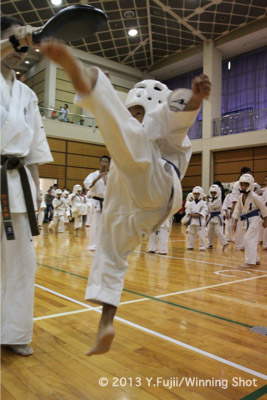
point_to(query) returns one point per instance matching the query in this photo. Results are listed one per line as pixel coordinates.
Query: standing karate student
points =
(96, 182)
(23, 142)
(214, 223)
(158, 241)
(248, 210)
(239, 232)
(76, 202)
(226, 208)
(150, 153)
(59, 211)
(40, 214)
(197, 212)
(66, 203)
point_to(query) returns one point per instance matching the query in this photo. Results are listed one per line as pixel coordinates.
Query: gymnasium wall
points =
(65, 92)
(193, 174)
(228, 163)
(73, 161)
(37, 84)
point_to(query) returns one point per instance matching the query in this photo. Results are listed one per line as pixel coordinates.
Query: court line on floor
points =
(158, 298)
(198, 261)
(257, 394)
(167, 338)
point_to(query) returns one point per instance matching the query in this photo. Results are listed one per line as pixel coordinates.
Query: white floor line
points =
(167, 338)
(192, 348)
(63, 314)
(210, 287)
(197, 261)
(65, 297)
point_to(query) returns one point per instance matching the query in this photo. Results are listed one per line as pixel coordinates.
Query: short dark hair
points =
(245, 170)
(107, 157)
(7, 22)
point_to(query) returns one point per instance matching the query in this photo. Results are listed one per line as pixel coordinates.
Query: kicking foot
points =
(225, 246)
(151, 252)
(189, 248)
(163, 254)
(210, 247)
(22, 349)
(258, 263)
(103, 341)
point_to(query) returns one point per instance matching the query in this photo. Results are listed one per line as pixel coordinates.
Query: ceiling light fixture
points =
(27, 62)
(132, 32)
(229, 65)
(129, 14)
(56, 2)
(37, 50)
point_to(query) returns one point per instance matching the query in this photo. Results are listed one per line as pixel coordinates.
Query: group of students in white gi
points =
(244, 213)
(65, 205)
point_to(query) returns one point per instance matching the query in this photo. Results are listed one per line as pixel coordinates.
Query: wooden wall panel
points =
(83, 161)
(71, 169)
(57, 144)
(52, 171)
(228, 163)
(193, 174)
(78, 173)
(87, 149)
(59, 158)
(233, 155)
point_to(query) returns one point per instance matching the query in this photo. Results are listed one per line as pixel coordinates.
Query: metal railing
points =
(240, 122)
(77, 119)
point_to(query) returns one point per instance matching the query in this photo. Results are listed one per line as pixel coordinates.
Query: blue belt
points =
(174, 166)
(214, 214)
(190, 219)
(254, 213)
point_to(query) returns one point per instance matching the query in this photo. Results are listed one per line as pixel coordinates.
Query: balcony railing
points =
(77, 119)
(240, 122)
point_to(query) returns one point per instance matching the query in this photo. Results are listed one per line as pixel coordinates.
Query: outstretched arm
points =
(83, 80)
(201, 87)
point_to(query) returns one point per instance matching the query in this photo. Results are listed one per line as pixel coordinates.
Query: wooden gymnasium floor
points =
(182, 330)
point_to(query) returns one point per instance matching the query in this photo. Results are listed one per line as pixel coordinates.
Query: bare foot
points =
(103, 342)
(225, 246)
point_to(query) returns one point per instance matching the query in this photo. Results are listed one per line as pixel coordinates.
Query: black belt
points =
(8, 163)
(101, 200)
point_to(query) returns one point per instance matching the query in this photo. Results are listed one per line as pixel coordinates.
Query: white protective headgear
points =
(65, 192)
(76, 188)
(215, 188)
(247, 178)
(148, 94)
(256, 188)
(197, 189)
(190, 197)
(58, 191)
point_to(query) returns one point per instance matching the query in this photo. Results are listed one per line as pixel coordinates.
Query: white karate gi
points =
(215, 228)
(97, 190)
(197, 226)
(138, 195)
(239, 234)
(89, 202)
(226, 207)
(40, 216)
(22, 135)
(253, 202)
(66, 204)
(58, 216)
(76, 201)
(158, 241)
(264, 230)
